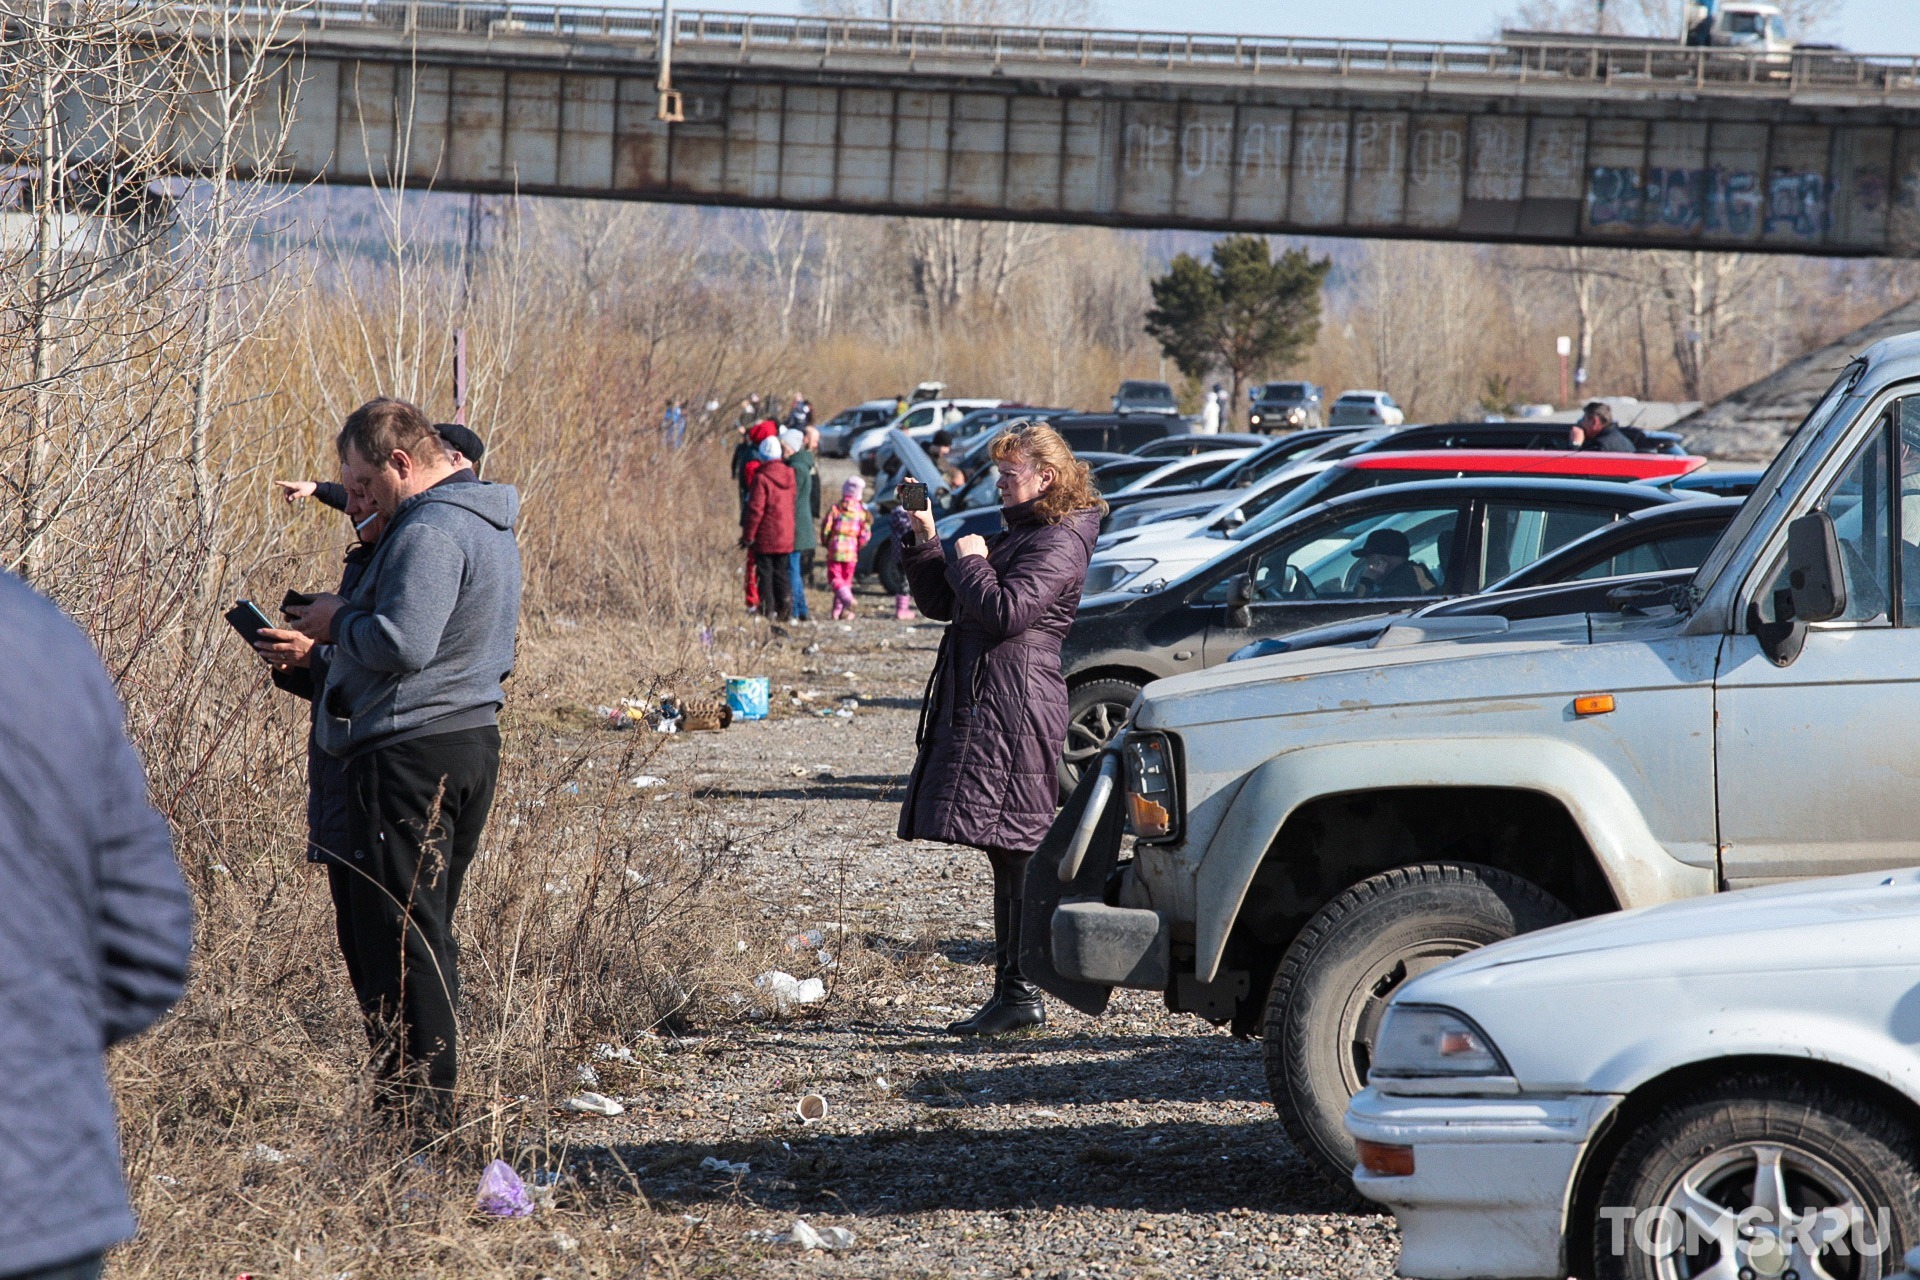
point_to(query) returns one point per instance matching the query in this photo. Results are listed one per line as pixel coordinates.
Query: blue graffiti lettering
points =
(1713, 200)
(1614, 196)
(1797, 202)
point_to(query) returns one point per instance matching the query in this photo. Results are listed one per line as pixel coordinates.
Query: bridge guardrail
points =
(716, 34)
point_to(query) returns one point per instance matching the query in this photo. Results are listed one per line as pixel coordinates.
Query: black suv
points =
(1285, 406)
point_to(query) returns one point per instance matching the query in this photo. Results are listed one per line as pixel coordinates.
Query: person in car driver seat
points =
(1389, 569)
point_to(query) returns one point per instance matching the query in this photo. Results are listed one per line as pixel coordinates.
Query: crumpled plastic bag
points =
(502, 1194)
(789, 990)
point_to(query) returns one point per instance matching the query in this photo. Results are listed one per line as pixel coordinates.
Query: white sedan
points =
(1716, 1089)
(1365, 409)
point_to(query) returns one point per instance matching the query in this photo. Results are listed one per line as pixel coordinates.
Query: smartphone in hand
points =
(913, 496)
(246, 618)
(295, 600)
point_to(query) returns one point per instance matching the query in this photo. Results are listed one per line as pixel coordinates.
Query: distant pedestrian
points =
(746, 461)
(994, 723)
(845, 531)
(799, 413)
(94, 949)
(1596, 430)
(766, 530)
(810, 440)
(806, 506)
(673, 424)
(1210, 412)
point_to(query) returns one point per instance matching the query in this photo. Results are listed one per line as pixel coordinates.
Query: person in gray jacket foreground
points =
(421, 648)
(94, 944)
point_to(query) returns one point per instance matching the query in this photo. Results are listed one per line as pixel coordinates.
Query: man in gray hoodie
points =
(420, 650)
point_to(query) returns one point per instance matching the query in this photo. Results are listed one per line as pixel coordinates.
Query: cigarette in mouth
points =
(364, 523)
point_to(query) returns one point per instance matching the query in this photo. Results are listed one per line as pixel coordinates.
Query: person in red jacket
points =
(746, 462)
(766, 530)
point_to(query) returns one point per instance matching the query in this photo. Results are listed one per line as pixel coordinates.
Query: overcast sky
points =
(1866, 26)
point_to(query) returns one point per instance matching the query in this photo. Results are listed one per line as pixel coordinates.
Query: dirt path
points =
(1140, 1143)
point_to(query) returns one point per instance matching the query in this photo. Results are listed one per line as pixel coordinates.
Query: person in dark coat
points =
(94, 950)
(300, 668)
(994, 720)
(1597, 430)
(766, 530)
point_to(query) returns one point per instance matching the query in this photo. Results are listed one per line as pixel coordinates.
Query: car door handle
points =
(1181, 655)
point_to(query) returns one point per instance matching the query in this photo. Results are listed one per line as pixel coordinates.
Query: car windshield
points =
(1284, 391)
(1773, 489)
(1299, 498)
(981, 491)
(1356, 399)
(1146, 393)
(1116, 476)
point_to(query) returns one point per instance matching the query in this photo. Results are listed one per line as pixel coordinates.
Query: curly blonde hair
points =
(1037, 443)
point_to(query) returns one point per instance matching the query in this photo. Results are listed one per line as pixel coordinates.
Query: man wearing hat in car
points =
(1389, 569)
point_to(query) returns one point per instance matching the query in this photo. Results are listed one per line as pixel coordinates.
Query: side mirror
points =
(1232, 520)
(1239, 601)
(1816, 589)
(1815, 574)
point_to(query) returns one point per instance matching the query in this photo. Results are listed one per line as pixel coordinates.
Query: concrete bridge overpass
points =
(1554, 141)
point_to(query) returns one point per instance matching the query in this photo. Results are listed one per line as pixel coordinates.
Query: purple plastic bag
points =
(502, 1194)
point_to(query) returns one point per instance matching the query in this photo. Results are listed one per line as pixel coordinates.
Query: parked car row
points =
(1522, 890)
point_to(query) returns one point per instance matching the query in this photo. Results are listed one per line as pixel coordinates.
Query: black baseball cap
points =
(1385, 542)
(462, 438)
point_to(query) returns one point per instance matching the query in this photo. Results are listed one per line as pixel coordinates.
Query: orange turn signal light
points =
(1385, 1159)
(1149, 819)
(1594, 704)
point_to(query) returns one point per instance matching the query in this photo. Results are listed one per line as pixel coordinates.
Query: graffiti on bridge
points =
(1713, 200)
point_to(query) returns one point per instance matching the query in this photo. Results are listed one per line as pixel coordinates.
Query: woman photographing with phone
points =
(994, 721)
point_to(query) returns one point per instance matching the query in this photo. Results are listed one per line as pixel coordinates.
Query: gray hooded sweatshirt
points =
(426, 638)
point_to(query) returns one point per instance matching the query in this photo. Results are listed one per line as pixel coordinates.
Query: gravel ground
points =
(1140, 1143)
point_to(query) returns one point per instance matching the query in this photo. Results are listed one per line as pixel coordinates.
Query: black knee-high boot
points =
(1015, 1002)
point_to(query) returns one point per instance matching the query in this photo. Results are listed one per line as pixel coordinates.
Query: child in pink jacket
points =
(843, 532)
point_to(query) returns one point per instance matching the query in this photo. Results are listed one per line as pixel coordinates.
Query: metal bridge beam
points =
(1554, 142)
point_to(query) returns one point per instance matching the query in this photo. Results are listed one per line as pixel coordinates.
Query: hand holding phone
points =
(913, 496)
(246, 618)
(294, 600)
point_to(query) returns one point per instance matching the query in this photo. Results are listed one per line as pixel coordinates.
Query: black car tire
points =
(1811, 1132)
(1337, 976)
(1092, 707)
(886, 567)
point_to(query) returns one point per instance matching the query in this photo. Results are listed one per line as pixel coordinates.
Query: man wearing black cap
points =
(1389, 570)
(1596, 430)
(463, 442)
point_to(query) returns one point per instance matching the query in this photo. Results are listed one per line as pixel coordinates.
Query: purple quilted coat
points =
(995, 719)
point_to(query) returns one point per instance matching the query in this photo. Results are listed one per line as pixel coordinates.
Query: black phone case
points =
(294, 600)
(246, 618)
(913, 496)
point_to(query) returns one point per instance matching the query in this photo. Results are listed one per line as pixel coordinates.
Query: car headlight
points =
(1296, 416)
(1253, 419)
(1424, 1041)
(1102, 578)
(1153, 802)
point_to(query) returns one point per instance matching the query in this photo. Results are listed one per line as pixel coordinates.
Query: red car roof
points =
(1593, 464)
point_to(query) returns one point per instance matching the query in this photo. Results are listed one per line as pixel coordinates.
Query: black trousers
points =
(416, 811)
(776, 585)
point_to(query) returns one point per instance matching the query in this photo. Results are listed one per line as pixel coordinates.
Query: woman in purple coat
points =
(994, 721)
